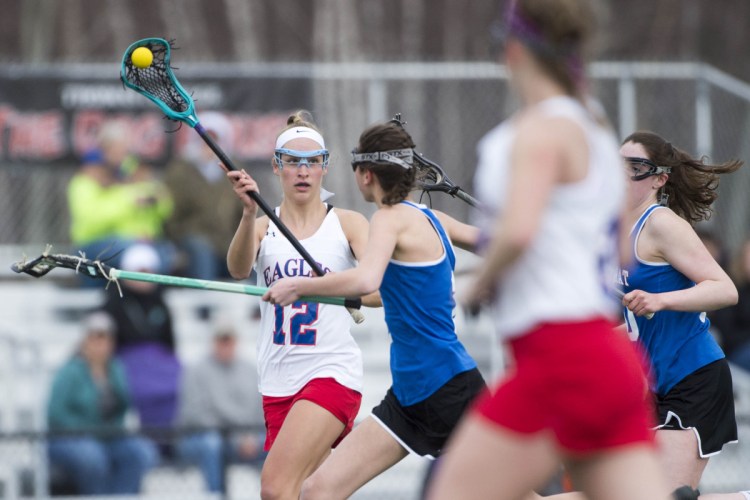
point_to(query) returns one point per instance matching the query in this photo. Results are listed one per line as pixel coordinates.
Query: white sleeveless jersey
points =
(304, 341)
(565, 273)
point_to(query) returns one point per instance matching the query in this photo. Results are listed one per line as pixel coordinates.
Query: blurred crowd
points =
(186, 211)
(124, 402)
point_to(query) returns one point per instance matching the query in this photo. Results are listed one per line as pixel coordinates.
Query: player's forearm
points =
(372, 300)
(469, 240)
(349, 283)
(707, 295)
(464, 236)
(241, 253)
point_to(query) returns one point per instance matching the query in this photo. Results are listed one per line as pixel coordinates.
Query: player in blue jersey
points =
(410, 259)
(674, 277)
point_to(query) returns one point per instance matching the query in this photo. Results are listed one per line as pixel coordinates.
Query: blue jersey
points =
(678, 343)
(418, 302)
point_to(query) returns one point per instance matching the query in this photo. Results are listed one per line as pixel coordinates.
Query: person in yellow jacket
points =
(115, 200)
(206, 210)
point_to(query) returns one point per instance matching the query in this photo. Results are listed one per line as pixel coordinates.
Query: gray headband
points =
(401, 157)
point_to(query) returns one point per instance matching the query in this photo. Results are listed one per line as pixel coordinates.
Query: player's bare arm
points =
(244, 245)
(462, 235)
(356, 227)
(362, 280)
(673, 240)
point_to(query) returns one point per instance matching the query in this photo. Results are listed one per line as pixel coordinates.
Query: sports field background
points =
(677, 67)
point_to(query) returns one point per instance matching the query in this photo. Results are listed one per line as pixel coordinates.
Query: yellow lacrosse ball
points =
(142, 57)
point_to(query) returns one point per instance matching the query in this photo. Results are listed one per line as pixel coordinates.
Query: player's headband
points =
(515, 24)
(298, 133)
(402, 157)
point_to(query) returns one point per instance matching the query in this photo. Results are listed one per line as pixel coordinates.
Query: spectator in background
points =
(145, 339)
(115, 200)
(205, 208)
(90, 393)
(735, 325)
(220, 396)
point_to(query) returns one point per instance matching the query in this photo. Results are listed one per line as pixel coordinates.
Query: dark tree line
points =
(712, 31)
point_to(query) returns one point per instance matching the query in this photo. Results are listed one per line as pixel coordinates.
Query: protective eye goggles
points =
(402, 157)
(294, 158)
(641, 168)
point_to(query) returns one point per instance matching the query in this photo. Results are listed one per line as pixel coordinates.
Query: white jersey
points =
(565, 274)
(304, 341)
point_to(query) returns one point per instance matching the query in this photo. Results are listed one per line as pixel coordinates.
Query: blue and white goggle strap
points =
(302, 155)
(402, 157)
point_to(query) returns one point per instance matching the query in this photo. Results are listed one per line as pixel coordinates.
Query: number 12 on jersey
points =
(302, 315)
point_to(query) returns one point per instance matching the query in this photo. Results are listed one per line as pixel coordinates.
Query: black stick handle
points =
(356, 303)
(463, 195)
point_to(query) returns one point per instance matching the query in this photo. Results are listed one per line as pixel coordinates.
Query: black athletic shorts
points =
(702, 401)
(423, 428)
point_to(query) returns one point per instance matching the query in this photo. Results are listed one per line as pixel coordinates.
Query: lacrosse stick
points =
(158, 83)
(431, 176)
(46, 262)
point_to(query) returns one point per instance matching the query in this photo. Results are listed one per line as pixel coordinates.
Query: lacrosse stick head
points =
(46, 262)
(35, 267)
(429, 174)
(157, 81)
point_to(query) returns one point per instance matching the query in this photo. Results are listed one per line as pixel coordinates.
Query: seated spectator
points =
(205, 209)
(89, 396)
(145, 341)
(114, 199)
(219, 396)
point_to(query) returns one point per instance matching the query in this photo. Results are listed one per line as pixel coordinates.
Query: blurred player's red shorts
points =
(583, 381)
(341, 401)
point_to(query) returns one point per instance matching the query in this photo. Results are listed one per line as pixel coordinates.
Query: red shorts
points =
(341, 401)
(583, 381)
